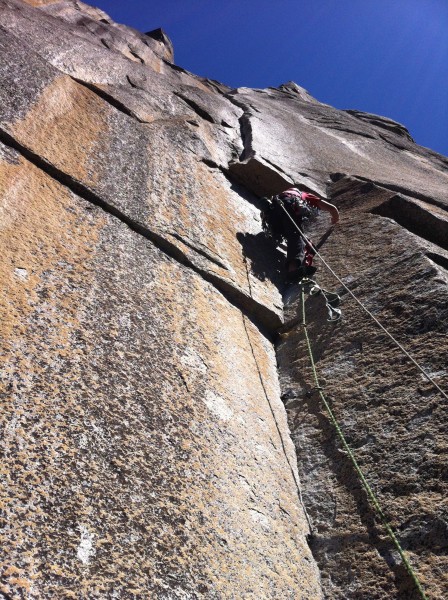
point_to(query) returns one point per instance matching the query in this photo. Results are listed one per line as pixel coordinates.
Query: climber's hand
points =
(335, 217)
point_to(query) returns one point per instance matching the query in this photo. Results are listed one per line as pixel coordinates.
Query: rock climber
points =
(299, 205)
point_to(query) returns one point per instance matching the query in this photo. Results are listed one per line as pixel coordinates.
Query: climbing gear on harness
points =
(348, 451)
(332, 300)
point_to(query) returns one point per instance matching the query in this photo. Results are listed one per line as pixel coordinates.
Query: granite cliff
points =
(147, 354)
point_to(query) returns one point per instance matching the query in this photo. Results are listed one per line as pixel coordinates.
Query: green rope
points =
(365, 309)
(350, 454)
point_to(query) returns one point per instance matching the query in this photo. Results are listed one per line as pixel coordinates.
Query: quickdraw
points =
(332, 299)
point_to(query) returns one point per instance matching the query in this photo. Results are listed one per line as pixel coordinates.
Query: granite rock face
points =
(394, 419)
(130, 385)
(146, 347)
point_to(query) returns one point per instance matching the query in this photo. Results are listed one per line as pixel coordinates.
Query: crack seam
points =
(235, 297)
(246, 134)
(109, 99)
(193, 247)
(201, 112)
(401, 190)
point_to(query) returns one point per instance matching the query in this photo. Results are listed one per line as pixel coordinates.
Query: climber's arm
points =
(331, 208)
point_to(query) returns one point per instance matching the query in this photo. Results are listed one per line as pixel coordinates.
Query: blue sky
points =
(388, 57)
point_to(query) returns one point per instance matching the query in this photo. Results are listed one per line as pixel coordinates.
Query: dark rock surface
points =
(394, 420)
(146, 447)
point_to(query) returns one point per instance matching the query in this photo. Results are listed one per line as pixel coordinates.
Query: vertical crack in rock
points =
(289, 456)
(246, 136)
(261, 176)
(245, 127)
(286, 452)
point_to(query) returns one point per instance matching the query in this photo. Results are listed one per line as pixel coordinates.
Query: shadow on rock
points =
(266, 261)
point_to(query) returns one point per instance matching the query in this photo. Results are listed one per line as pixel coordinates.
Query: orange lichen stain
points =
(12, 570)
(36, 238)
(21, 582)
(64, 126)
(15, 578)
(45, 235)
(56, 570)
(40, 2)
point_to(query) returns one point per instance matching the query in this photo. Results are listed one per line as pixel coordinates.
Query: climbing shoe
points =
(300, 273)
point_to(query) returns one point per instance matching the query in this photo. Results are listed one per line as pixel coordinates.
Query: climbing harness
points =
(351, 456)
(365, 309)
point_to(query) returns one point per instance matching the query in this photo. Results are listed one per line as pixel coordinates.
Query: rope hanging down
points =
(354, 462)
(396, 342)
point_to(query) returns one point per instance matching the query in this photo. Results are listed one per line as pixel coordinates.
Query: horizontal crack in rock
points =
(199, 110)
(262, 317)
(440, 260)
(109, 99)
(400, 190)
(413, 217)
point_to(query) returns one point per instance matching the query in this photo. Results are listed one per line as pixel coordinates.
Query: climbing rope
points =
(396, 342)
(354, 462)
